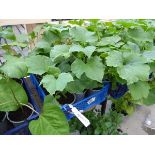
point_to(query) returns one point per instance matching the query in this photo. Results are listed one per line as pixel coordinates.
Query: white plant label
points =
(80, 116)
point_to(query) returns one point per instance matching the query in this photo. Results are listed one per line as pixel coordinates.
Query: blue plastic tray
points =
(82, 105)
(23, 128)
(89, 102)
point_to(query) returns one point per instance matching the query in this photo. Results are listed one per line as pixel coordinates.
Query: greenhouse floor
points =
(134, 124)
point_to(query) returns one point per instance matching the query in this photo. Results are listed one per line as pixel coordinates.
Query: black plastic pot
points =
(93, 91)
(19, 116)
(67, 99)
(3, 123)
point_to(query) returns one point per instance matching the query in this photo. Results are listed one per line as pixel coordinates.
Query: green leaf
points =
(62, 81)
(78, 67)
(22, 38)
(151, 98)
(87, 50)
(43, 45)
(114, 59)
(139, 90)
(49, 99)
(52, 84)
(14, 67)
(15, 43)
(38, 64)
(60, 50)
(49, 82)
(112, 40)
(130, 46)
(94, 68)
(75, 86)
(51, 121)
(130, 66)
(64, 66)
(134, 72)
(51, 37)
(55, 71)
(128, 23)
(138, 34)
(8, 33)
(149, 55)
(12, 94)
(83, 35)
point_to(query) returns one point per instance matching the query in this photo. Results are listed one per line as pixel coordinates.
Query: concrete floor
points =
(134, 124)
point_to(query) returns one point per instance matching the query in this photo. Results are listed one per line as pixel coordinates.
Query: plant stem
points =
(30, 108)
(16, 99)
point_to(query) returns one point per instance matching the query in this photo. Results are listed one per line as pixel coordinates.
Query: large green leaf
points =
(75, 86)
(134, 72)
(14, 67)
(87, 50)
(139, 90)
(138, 34)
(79, 85)
(130, 66)
(94, 68)
(12, 94)
(112, 40)
(130, 46)
(43, 45)
(151, 97)
(149, 55)
(52, 84)
(51, 121)
(78, 67)
(114, 59)
(60, 50)
(83, 35)
(38, 64)
(50, 36)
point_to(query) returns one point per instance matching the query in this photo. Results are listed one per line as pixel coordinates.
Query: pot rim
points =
(74, 99)
(81, 92)
(18, 122)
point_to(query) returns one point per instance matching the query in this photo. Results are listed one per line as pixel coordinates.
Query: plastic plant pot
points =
(68, 98)
(119, 91)
(3, 123)
(22, 114)
(93, 91)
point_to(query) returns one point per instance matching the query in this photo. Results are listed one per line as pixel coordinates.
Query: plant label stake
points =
(80, 116)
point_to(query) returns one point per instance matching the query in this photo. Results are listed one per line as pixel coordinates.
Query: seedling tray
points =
(23, 128)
